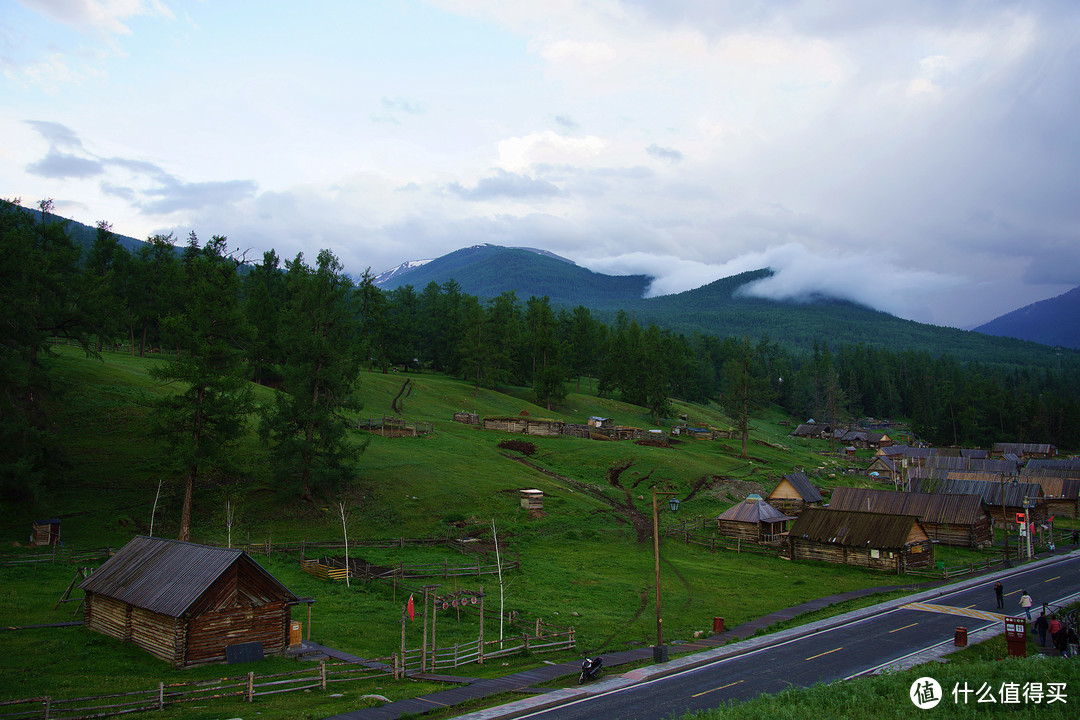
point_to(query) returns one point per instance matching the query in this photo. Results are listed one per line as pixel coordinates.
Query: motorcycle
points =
(591, 669)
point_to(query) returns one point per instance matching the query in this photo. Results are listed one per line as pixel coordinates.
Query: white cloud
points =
(106, 16)
(550, 148)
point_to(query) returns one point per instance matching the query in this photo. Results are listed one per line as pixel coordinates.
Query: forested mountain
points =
(1055, 321)
(487, 271)
(718, 308)
(308, 331)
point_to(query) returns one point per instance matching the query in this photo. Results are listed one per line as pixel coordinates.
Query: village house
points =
(962, 520)
(1025, 450)
(753, 519)
(185, 603)
(894, 543)
(1003, 497)
(793, 493)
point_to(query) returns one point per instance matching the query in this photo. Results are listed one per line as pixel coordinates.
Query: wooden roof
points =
(803, 486)
(753, 511)
(854, 529)
(1026, 448)
(169, 576)
(989, 491)
(1056, 487)
(928, 507)
(956, 462)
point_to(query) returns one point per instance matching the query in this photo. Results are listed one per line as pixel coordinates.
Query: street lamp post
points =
(659, 651)
(1027, 525)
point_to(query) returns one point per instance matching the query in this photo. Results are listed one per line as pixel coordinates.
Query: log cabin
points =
(754, 520)
(961, 520)
(793, 493)
(895, 543)
(186, 603)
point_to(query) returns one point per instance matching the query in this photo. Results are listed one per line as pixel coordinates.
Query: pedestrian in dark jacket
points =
(999, 591)
(1041, 626)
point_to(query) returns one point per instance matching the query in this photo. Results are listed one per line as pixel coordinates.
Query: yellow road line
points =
(715, 689)
(1053, 579)
(903, 628)
(947, 610)
(824, 653)
(1012, 593)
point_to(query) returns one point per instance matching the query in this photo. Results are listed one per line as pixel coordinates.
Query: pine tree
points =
(307, 429)
(203, 420)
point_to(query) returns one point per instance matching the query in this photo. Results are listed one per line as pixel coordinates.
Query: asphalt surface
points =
(890, 635)
(708, 673)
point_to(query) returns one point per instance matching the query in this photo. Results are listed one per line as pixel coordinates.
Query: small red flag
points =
(409, 607)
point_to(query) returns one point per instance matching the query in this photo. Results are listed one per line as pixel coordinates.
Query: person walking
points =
(999, 591)
(1058, 636)
(1041, 626)
(1025, 602)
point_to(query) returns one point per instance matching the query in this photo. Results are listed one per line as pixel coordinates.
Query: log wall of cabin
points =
(209, 634)
(739, 530)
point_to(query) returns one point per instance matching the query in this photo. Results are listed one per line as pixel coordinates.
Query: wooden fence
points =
(714, 541)
(59, 554)
(395, 427)
(445, 658)
(249, 687)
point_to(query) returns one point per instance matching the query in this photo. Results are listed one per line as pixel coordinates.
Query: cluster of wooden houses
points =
(952, 498)
(596, 428)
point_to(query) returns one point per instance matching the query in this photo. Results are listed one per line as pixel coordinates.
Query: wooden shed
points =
(793, 493)
(895, 543)
(753, 519)
(962, 520)
(1062, 494)
(532, 499)
(186, 603)
(45, 532)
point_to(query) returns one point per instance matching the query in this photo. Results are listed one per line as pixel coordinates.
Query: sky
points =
(919, 157)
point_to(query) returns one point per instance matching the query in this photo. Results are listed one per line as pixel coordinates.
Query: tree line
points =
(309, 330)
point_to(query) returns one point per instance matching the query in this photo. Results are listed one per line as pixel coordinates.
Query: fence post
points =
(322, 674)
(47, 702)
(526, 636)
(251, 687)
(161, 696)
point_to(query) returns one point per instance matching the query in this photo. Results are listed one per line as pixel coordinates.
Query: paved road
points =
(881, 638)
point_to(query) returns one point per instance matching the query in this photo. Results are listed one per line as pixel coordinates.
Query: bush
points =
(522, 446)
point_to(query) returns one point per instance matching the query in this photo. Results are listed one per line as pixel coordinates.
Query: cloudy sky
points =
(921, 157)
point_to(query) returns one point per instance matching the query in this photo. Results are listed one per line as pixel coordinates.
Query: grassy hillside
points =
(587, 561)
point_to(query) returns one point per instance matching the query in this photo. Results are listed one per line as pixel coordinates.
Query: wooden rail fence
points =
(249, 687)
(444, 658)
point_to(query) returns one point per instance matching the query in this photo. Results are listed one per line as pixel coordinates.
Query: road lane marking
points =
(903, 628)
(715, 689)
(824, 653)
(1053, 579)
(948, 610)
(968, 607)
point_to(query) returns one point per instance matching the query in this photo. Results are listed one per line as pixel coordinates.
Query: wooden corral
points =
(467, 418)
(893, 543)
(753, 519)
(186, 603)
(962, 520)
(524, 425)
(793, 493)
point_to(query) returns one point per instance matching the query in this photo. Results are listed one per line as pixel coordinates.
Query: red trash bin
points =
(960, 637)
(718, 625)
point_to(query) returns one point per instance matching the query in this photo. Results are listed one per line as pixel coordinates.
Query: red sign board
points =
(1016, 636)
(1019, 518)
